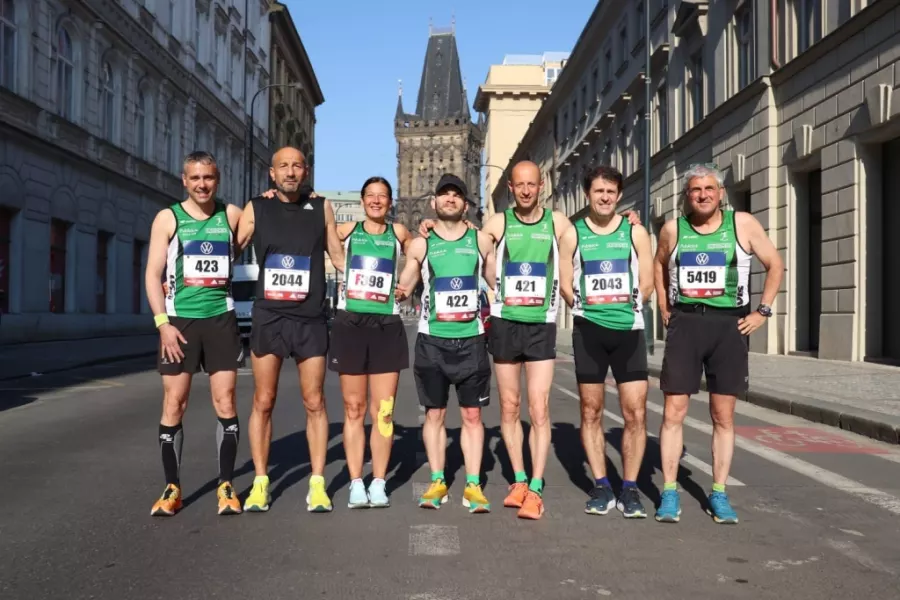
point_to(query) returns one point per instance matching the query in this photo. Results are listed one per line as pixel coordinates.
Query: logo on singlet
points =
(370, 263)
(456, 283)
(605, 266)
(206, 248)
(525, 268)
(702, 258)
(287, 262)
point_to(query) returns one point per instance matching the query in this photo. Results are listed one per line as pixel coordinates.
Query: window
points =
(623, 44)
(595, 90)
(143, 110)
(172, 18)
(696, 88)
(7, 44)
(214, 59)
(622, 151)
(59, 231)
(639, 18)
(171, 139)
(137, 254)
(6, 217)
(607, 65)
(809, 23)
(639, 141)
(107, 101)
(65, 68)
(662, 116)
(744, 30)
(103, 241)
(550, 76)
(584, 98)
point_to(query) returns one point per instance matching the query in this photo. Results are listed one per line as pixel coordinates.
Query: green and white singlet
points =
(709, 269)
(450, 275)
(527, 271)
(371, 272)
(198, 265)
(606, 278)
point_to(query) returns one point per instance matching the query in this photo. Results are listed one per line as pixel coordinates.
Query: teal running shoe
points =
(669, 510)
(358, 497)
(377, 496)
(720, 509)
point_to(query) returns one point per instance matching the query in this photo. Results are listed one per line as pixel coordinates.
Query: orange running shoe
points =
(533, 507)
(228, 501)
(169, 503)
(516, 495)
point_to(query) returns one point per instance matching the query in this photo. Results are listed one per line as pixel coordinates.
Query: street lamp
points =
(645, 212)
(502, 171)
(248, 174)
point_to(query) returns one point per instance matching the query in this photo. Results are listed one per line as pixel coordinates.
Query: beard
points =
(289, 187)
(450, 216)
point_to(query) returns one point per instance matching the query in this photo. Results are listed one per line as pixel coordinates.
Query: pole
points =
(645, 212)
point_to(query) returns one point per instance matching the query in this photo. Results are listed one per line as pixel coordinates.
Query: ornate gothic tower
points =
(440, 137)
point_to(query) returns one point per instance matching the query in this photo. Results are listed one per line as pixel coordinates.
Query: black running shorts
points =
(598, 348)
(365, 344)
(512, 341)
(213, 344)
(284, 336)
(442, 362)
(709, 339)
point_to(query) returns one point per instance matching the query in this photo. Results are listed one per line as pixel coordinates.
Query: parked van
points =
(243, 290)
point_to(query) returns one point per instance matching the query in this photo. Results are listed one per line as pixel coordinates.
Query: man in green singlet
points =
(702, 274)
(191, 242)
(450, 347)
(606, 273)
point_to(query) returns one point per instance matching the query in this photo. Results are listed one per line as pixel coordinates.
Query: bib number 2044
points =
(283, 279)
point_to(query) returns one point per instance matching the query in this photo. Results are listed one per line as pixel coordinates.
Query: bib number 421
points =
(525, 286)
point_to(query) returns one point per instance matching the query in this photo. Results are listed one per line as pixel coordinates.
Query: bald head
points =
(525, 183)
(526, 170)
(288, 170)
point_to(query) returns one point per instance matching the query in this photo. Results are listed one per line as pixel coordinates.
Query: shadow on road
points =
(25, 390)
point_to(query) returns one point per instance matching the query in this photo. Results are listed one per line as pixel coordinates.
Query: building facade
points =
(509, 98)
(439, 137)
(793, 100)
(99, 102)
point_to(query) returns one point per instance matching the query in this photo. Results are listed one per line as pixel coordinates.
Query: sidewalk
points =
(21, 360)
(859, 397)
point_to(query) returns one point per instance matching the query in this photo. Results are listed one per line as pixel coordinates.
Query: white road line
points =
(686, 458)
(433, 540)
(823, 476)
(852, 551)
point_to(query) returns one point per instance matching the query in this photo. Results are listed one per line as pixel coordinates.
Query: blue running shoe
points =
(358, 497)
(669, 510)
(377, 496)
(630, 504)
(720, 509)
(601, 502)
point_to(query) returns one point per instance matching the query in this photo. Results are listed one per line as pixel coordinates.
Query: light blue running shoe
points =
(358, 497)
(720, 509)
(669, 510)
(377, 497)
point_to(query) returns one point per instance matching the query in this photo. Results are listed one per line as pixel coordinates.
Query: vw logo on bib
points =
(206, 248)
(702, 258)
(605, 266)
(370, 263)
(525, 269)
(456, 283)
(287, 262)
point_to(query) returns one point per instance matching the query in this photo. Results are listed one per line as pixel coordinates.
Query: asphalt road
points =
(819, 508)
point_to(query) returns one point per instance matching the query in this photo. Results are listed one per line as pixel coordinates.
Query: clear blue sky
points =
(360, 48)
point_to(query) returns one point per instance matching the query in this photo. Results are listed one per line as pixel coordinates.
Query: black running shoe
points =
(630, 504)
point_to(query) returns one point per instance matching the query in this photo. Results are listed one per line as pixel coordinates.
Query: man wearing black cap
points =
(450, 347)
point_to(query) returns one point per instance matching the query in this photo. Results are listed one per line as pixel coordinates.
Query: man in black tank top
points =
(291, 233)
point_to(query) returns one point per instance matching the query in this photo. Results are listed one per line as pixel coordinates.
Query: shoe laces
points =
(719, 502)
(669, 499)
(629, 496)
(170, 491)
(227, 490)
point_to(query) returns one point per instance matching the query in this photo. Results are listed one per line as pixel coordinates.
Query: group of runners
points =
(602, 266)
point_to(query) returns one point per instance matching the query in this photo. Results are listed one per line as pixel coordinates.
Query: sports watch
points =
(765, 310)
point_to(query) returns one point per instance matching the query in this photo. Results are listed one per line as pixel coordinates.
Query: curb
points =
(878, 426)
(85, 363)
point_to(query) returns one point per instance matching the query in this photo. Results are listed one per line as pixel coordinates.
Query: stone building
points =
(439, 137)
(793, 99)
(99, 102)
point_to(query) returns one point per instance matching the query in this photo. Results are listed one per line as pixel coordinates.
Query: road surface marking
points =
(433, 540)
(852, 551)
(781, 565)
(823, 476)
(806, 440)
(686, 457)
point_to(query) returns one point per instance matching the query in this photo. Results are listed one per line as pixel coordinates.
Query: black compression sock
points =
(170, 441)
(227, 436)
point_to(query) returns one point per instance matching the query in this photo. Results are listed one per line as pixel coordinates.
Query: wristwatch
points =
(765, 310)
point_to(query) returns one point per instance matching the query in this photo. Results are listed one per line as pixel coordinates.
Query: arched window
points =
(65, 69)
(7, 44)
(107, 101)
(172, 139)
(143, 110)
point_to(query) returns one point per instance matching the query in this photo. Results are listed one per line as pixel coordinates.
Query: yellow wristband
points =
(160, 319)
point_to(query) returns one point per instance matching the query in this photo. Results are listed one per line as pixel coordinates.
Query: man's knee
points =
(314, 402)
(471, 417)
(264, 400)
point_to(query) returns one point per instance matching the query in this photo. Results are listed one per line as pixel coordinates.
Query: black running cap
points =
(450, 180)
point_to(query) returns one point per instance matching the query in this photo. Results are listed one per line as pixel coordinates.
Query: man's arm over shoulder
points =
(486, 248)
(664, 246)
(568, 242)
(495, 226)
(644, 250)
(332, 241)
(245, 227)
(561, 223)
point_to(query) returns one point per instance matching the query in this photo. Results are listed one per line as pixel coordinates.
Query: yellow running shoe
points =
(317, 499)
(228, 500)
(435, 495)
(474, 499)
(259, 498)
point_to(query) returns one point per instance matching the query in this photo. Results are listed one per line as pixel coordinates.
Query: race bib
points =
(701, 274)
(455, 298)
(205, 264)
(287, 277)
(607, 281)
(526, 284)
(370, 278)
